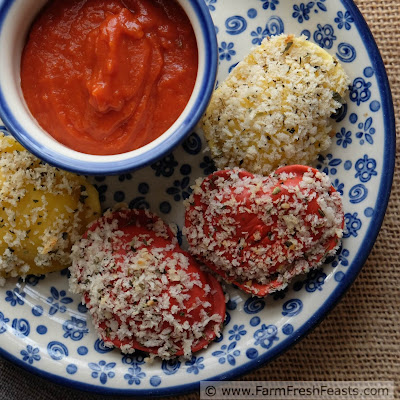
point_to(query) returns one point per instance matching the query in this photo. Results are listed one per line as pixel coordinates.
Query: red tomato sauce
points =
(109, 76)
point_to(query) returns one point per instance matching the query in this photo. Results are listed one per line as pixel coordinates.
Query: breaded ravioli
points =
(43, 211)
(142, 290)
(274, 108)
(259, 232)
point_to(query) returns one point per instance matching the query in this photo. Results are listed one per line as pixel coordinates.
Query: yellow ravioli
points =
(43, 211)
(274, 108)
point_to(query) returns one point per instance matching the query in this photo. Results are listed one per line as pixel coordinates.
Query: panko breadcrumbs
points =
(251, 228)
(43, 211)
(142, 291)
(274, 108)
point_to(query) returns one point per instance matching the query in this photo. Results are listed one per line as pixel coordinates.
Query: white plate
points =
(45, 329)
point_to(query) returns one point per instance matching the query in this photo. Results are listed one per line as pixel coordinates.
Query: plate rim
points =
(327, 306)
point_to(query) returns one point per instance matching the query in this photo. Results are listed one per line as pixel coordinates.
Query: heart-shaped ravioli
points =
(259, 232)
(143, 291)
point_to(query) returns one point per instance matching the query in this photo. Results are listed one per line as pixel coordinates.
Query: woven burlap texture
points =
(360, 339)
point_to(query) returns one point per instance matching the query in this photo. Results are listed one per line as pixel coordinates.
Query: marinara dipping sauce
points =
(109, 76)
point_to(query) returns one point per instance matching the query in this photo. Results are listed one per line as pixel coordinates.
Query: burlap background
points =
(360, 338)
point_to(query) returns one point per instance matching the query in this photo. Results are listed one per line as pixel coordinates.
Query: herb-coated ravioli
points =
(143, 291)
(260, 232)
(274, 108)
(43, 211)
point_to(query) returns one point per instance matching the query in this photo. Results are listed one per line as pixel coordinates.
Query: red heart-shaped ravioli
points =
(143, 291)
(259, 232)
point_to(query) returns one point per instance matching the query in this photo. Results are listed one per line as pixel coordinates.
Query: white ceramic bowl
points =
(16, 17)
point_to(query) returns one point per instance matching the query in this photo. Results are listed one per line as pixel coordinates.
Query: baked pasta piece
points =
(260, 232)
(274, 108)
(142, 290)
(43, 211)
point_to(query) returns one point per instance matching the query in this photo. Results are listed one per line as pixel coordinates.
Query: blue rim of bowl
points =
(336, 295)
(142, 160)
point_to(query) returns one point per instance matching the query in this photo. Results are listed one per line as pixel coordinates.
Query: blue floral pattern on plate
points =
(58, 300)
(51, 330)
(102, 370)
(31, 354)
(195, 365)
(227, 353)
